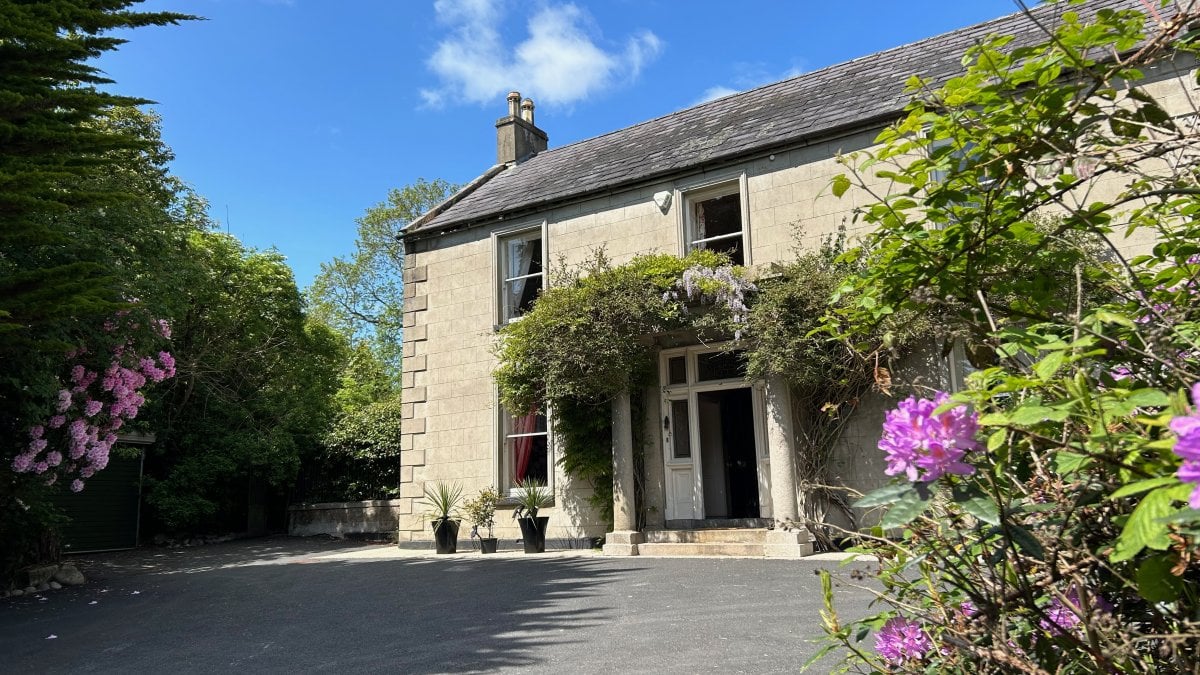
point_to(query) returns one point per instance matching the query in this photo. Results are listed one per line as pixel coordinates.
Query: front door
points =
(715, 460)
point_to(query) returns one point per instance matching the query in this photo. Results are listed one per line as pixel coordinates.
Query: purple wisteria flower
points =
(923, 445)
(901, 640)
(1187, 445)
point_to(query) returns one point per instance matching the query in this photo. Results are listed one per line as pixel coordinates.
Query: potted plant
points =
(442, 500)
(531, 496)
(481, 512)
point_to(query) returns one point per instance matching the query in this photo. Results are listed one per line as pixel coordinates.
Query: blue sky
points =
(293, 116)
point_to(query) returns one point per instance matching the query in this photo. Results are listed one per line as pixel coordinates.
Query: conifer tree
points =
(54, 148)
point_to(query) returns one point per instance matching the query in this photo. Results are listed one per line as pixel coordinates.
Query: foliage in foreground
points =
(1043, 514)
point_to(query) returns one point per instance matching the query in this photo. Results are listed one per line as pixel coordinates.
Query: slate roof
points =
(859, 93)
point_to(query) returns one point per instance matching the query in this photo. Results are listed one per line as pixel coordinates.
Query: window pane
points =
(717, 217)
(721, 366)
(681, 440)
(523, 257)
(520, 294)
(676, 370)
(527, 449)
(522, 269)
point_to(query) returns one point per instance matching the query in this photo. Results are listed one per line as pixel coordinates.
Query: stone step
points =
(706, 536)
(710, 549)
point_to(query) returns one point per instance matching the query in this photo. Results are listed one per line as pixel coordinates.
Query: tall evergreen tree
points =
(54, 150)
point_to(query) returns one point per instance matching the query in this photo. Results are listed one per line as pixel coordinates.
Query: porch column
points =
(624, 538)
(655, 487)
(790, 536)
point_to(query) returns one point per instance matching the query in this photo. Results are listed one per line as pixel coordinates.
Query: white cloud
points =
(747, 76)
(715, 93)
(558, 62)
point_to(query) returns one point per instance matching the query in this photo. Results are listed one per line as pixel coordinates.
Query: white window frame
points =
(501, 452)
(688, 194)
(499, 280)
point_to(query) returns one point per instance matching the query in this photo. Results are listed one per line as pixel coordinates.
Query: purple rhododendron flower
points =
(902, 640)
(1061, 618)
(1187, 445)
(76, 485)
(923, 445)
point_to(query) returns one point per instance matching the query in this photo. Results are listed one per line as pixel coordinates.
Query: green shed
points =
(106, 515)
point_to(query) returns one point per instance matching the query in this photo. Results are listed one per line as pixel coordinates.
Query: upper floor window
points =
(521, 264)
(713, 219)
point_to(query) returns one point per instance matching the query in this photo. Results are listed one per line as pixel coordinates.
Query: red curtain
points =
(523, 445)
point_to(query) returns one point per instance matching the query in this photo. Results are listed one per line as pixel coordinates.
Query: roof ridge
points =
(836, 98)
(1044, 8)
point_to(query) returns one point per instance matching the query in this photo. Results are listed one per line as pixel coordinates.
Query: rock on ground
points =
(69, 575)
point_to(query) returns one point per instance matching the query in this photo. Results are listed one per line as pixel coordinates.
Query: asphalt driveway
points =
(303, 605)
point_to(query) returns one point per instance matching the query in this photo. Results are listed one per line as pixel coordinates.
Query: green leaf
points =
(1142, 486)
(1144, 528)
(1047, 367)
(996, 440)
(1026, 542)
(840, 184)
(1067, 463)
(1155, 581)
(889, 494)
(1032, 414)
(982, 508)
(1146, 398)
(905, 509)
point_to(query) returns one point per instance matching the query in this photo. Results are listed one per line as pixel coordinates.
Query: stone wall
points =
(346, 519)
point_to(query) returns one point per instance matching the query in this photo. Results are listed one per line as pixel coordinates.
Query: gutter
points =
(453, 199)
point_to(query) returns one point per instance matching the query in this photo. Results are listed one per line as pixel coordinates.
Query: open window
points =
(520, 261)
(714, 219)
(525, 454)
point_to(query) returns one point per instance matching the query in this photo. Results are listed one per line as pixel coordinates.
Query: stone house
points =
(739, 174)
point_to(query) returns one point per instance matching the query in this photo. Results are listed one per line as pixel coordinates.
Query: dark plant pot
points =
(445, 535)
(488, 544)
(533, 533)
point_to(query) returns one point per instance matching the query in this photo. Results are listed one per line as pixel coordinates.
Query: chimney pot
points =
(517, 139)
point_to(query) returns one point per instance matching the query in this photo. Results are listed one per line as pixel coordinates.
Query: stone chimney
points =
(517, 139)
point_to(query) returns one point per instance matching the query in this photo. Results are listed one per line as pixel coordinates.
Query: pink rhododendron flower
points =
(86, 437)
(64, 400)
(1187, 445)
(902, 640)
(923, 445)
(162, 327)
(168, 363)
